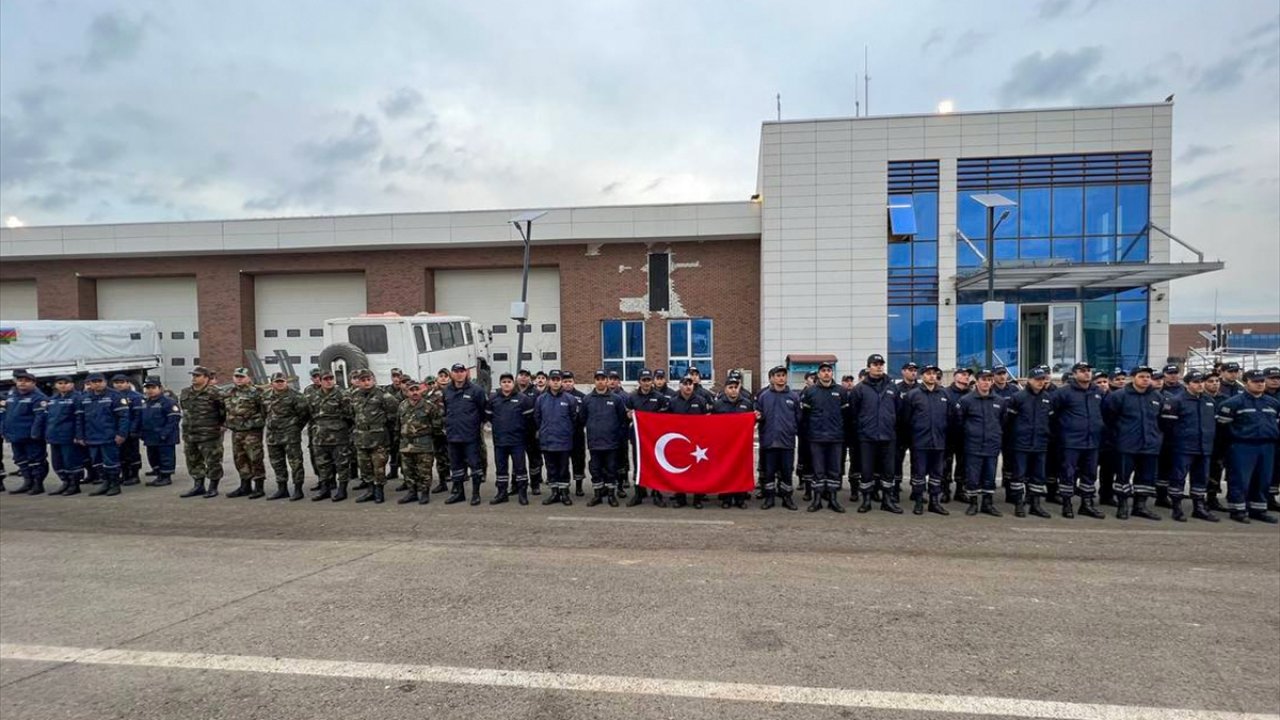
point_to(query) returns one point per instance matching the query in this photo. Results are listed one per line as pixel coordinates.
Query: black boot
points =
(917, 507)
(522, 494)
(1088, 508)
(212, 492)
(1122, 507)
(371, 492)
(257, 488)
(1263, 516)
(326, 492)
(160, 480)
(457, 495)
(441, 486)
(129, 479)
(1141, 510)
(1214, 505)
(658, 499)
(833, 501)
(502, 495)
(597, 497)
(297, 492)
(62, 489)
(1037, 508)
(636, 498)
(37, 487)
(113, 487)
(865, 507)
(1162, 497)
(103, 489)
(788, 503)
(197, 488)
(341, 493)
(973, 506)
(282, 491)
(362, 485)
(553, 498)
(611, 497)
(768, 502)
(240, 491)
(936, 507)
(1200, 512)
(379, 494)
(577, 486)
(475, 492)
(989, 507)
(424, 495)
(697, 501)
(808, 490)
(1239, 516)
(1272, 505)
(151, 473)
(1019, 508)
(815, 499)
(890, 501)
(565, 499)
(726, 502)
(1176, 505)
(74, 488)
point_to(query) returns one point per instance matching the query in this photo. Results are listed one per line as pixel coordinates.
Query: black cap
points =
(600, 373)
(64, 378)
(1211, 375)
(23, 375)
(810, 375)
(1142, 369)
(100, 377)
(540, 374)
(1171, 370)
(1119, 372)
(1193, 376)
(613, 375)
(119, 377)
(645, 374)
(826, 365)
(693, 370)
(458, 367)
(863, 373)
(1254, 375)
(1231, 367)
(506, 376)
(554, 375)
(659, 374)
(962, 369)
(524, 372)
(1038, 373)
(986, 372)
(1000, 369)
(875, 359)
(152, 381)
(934, 368)
(566, 374)
(1271, 372)
(1100, 374)
(1082, 365)
(909, 365)
(734, 375)
(847, 378)
(777, 369)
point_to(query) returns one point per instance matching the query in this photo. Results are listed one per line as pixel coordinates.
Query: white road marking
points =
(704, 690)
(1139, 533)
(662, 521)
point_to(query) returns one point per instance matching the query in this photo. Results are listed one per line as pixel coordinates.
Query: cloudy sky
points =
(191, 110)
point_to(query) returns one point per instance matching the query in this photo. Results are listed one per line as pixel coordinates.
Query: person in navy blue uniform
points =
(778, 410)
(688, 401)
(661, 385)
(908, 380)
(464, 413)
(1108, 456)
(510, 415)
(981, 415)
(1190, 428)
(532, 386)
(1134, 413)
(953, 457)
(926, 412)
(1170, 389)
(1006, 387)
(646, 398)
(1030, 413)
(604, 417)
(159, 421)
(731, 401)
(1271, 379)
(23, 425)
(130, 452)
(102, 425)
(626, 447)
(1077, 406)
(874, 403)
(60, 432)
(1253, 419)
(823, 405)
(804, 459)
(556, 414)
(578, 456)
(849, 463)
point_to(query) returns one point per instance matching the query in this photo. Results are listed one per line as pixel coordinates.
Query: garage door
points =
(18, 300)
(170, 303)
(290, 311)
(486, 296)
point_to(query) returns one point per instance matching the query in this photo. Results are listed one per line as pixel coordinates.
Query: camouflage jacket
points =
(203, 413)
(245, 409)
(419, 424)
(309, 392)
(435, 395)
(375, 413)
(287, 413)
(331, 417)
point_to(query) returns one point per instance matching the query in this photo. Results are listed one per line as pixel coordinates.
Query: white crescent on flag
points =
(660, 453)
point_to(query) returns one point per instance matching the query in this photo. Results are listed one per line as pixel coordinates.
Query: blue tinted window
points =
(926, 215)
(635, 338)
(1035, 212)
(1131, 332)
(1099, 249)
(1100, 210)
(926, 254)
(1068, 210)
(613, 366)
(971, 217)
(971, 337)
(630, 369)
(679, 339)
(1008, 228)
(1035, 249)
(1132, 208)
(965, 256)
(701, 337)
(612, 332)
(902, 215)
(1133, 249)
(899, 328)
(899, 255)
(1068, 249)
(1006, 250)
(924, 328)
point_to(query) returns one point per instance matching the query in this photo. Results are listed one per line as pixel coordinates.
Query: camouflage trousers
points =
(204, 458)
(373, 464)
(442, 457)
(284, 456)
(332, 462)
(246, 452)
(416, 467)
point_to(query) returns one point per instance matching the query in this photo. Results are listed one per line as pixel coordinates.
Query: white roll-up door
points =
(18, 300)
(290, 311)
(171, 304)
(486, 296)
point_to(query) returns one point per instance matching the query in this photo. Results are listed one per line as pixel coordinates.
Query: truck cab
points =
(420, 345)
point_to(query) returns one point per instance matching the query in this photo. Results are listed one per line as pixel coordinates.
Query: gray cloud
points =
(392, 163)
(357, 145)
(1050, 9)
(1070, 76)
(652, 185)
(53, 201)
(936, 36)
(1195, 152)
(1205, 182)
(96, 152)
(401, 102)
(969, 42)
(611, 188)
(1270, 27)
(113, 38)
(24, 153)
(1224, 74)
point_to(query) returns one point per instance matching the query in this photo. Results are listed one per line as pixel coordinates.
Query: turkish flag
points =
(707, 454)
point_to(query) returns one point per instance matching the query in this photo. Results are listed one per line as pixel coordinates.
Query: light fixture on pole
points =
(520, 309)
(992, 311)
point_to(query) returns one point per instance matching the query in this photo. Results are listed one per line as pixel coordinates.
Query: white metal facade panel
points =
(18, 300)
(290, 311)
(486, 296)
(171, 304)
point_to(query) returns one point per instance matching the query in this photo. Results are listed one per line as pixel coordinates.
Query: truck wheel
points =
(342, 359)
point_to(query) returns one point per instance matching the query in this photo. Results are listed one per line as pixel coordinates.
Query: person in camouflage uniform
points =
(396, 391)
(375, 413)
(307, 392)
(203, 417)
(246, 417)
(287, 413)
(420, 419)
(435, 393)
(332, 418)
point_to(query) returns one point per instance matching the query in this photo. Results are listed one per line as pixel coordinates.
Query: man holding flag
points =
(732, 401)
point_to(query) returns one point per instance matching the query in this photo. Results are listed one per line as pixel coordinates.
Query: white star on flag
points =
(699, 453)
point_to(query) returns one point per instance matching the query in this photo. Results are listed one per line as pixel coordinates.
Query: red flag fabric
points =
(708, 454)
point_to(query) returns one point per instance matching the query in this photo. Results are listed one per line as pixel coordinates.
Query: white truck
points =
(420, 345)
(49, 348)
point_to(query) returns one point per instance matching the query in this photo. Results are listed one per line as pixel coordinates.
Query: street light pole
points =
(526, 234)
(991, 284)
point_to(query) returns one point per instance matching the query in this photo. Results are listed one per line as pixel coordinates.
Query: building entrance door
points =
(1049, 335)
